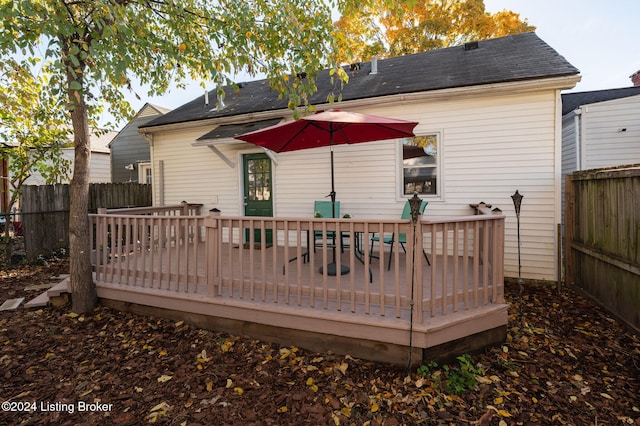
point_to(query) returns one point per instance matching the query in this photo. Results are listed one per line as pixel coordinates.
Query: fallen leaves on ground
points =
(565, 361)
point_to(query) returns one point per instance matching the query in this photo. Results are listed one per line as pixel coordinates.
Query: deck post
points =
(417, 268)
(212, 249)
(497, 261)
(100, 242)
(416, 256)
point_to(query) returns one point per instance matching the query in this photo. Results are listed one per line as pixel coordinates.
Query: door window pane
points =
(258, 175)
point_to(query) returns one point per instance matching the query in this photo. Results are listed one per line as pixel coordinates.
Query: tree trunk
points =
(83, 289)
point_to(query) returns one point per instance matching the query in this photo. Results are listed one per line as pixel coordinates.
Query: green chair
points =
(402, 237)
(324, 209)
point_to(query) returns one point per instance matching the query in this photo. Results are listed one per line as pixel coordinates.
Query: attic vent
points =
(374, 65)
(472, 45)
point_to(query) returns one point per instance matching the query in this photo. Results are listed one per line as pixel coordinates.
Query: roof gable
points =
(512, 58)
(571, 101)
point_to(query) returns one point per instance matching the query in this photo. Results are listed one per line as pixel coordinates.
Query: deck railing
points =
(271, 261)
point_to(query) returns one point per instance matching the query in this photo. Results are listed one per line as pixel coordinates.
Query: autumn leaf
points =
(164, 378)
(158, 411)
(202, 358)
(343, 367)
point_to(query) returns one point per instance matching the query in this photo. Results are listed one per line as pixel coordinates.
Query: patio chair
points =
(402, 237)
(325, 209)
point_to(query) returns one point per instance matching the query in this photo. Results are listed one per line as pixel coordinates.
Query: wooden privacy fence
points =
(602, 226)
(44, 211)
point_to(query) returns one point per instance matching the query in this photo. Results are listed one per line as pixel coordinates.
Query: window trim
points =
(439, 195)
(142, 167)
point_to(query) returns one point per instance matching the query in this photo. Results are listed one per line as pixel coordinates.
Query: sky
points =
(599, 37)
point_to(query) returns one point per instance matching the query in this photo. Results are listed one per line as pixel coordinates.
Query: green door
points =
(257, 190)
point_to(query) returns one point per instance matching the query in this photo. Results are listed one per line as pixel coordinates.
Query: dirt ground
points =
(565, 361)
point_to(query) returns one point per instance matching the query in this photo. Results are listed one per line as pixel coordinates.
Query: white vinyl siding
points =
(605, 143)
(490, 147)
(99, 170)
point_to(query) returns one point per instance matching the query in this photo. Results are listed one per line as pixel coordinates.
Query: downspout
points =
(557, 144)
(577, 122)
(583, 138)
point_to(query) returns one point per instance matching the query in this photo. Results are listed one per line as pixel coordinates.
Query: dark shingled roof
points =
(512, 58)
(571, 101)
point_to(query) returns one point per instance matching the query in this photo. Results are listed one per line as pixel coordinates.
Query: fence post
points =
(212, 250)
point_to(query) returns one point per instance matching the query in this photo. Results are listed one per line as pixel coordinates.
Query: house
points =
(130, 152)
(99, 169)
(490, 123)
(600, 128)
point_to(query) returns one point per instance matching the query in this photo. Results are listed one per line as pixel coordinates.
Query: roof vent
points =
(374, 65)
(472, 45)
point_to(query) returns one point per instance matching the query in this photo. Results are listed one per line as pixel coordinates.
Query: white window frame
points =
(142, 172)
(439, 195)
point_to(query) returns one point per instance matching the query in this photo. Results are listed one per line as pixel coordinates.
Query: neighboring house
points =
(600, 129)
(130, 152)
(489, 118)
(99, 171)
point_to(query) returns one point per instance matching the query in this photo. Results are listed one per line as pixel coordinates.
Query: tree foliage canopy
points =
(96, 47)
(385, 30)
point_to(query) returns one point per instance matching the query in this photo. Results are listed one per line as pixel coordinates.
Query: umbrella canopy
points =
(333, 127)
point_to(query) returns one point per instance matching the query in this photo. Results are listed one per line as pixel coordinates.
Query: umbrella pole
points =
(332, 268)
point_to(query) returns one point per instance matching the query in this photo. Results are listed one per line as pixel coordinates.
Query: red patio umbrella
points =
(328, 128)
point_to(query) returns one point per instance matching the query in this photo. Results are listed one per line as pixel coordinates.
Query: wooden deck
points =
(202, 270)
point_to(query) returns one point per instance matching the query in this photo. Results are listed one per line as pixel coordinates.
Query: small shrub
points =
(453, 380)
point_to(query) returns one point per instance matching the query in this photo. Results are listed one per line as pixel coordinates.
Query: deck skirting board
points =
(368, 337)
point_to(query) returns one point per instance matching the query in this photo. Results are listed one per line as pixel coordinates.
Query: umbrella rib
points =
(292, 138)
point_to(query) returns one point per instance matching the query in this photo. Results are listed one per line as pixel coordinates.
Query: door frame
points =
(243, 184)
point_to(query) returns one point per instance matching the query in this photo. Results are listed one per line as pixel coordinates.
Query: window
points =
(420, 165)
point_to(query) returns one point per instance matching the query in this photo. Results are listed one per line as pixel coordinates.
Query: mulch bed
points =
(565, 361)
